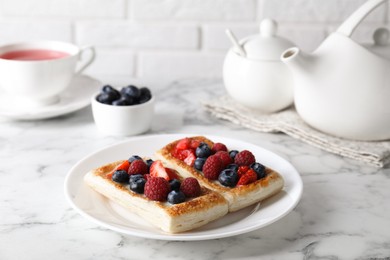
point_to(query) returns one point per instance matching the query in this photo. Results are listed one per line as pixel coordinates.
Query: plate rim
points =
(298, 185)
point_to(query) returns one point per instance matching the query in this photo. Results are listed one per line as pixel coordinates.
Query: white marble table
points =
(344, 212)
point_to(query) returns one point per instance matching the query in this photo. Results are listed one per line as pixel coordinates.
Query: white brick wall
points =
(164, 40)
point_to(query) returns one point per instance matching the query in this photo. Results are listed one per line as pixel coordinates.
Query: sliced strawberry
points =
(109, 175)
(190, 159)
(172, 173)
(157, 170)
(242, 170)
(194, 144)
(248, 177)
(123, 166)
(184, 144)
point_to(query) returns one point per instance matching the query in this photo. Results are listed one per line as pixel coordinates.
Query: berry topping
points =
(228, 178)
(233, 154)
(175, 184)
(157, 188)
(203, 151)
(120, 176)
(190, 187)
(219, 147)
(149, 162)
(133, 158)
(259, 169)
(242, 170)
(146, 176)
(157, 169)
(123, 166)
(189, 157)
(137, 183)
(138, 167)
(199, 162)
(212, 167)
(233, 167)
(184, 144)
(225, 158)
(244, 158)
(171, 173)
(176, 197)
(248, 177)
(194, 144)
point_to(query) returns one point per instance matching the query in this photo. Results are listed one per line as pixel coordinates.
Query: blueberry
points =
(145, 95)
(203, 151)
(120, 102)
(134, 177)
(175, 184)
(106, 98)
(199, 162)
(233, 167)
(131, 91)
(149, 162)
(137, 184)
(130, 100)
(259, 169)
(176, 197)
(233, 154)
(133, 158)
(112, 91)
(228, 178)
(120, 176)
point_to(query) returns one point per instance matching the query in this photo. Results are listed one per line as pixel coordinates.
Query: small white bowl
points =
(123, 120)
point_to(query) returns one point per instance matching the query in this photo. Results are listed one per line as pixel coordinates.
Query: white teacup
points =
(37, 72)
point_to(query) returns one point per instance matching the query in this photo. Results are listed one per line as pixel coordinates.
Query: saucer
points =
(76, 96)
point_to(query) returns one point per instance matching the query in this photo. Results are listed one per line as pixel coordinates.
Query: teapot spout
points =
(296, 60)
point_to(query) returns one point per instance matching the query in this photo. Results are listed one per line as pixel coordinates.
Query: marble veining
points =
(344, 212)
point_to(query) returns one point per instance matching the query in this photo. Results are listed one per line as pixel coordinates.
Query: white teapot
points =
(253, 74)
(343, 88)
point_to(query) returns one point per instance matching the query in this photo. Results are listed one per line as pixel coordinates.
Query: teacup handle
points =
(90, 60)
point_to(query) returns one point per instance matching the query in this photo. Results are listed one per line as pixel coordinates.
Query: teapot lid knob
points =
(381, 36)
(268, 28)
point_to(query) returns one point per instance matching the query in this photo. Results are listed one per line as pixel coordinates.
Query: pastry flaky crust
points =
(192, 213)
(238, 197)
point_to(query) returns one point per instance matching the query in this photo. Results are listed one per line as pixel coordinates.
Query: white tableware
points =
(123, 120)
(39, 82)
(343, 88)
(102, 211)
(255, 77)
(76, 96)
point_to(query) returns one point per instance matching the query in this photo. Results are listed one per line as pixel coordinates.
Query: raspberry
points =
(157, 188)
(219, 147)
(225, 158)
(244, 158)
(212, 167)
(249, 177)
(138, 167)
(190, 187)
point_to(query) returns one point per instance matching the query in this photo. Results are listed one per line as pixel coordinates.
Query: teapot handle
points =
(349, 25)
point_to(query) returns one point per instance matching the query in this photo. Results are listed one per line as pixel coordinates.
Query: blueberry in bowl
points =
(125, 111)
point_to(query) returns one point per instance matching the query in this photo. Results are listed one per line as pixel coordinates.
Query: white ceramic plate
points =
(76, 96)
(102, 211)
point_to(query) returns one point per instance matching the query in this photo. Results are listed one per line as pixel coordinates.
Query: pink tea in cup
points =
(33, 54)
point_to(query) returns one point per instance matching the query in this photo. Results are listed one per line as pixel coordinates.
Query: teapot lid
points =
(266, 45)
